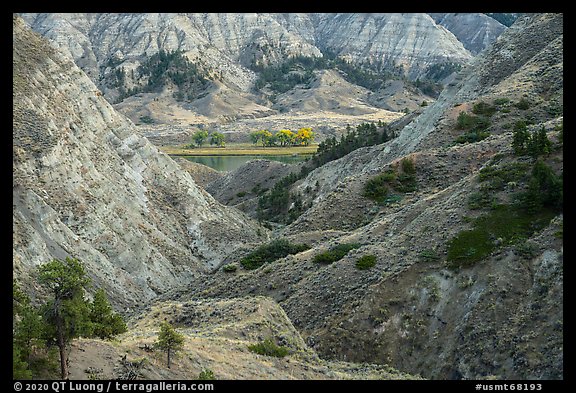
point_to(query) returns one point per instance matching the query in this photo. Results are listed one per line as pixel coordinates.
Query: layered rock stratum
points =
(228, 50)
(86, 186)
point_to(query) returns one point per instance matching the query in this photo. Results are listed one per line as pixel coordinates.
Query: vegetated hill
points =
(212, 63)
(241, 187)
(218, 334)
(451, 274)
(86, 186)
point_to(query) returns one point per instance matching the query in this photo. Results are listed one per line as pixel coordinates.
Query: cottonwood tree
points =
(169, 340)
(305, 136)
(217, 138)
(285, 137)
(199, 137)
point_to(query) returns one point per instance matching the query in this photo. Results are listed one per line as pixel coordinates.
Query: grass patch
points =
(270, 252)
(335, 253)
(206, 375)
(230, 268)
(269, 348)
(484, 109)
(496, 178)
(238, 149)
(428, 255)
(480, 200)
(505, 224)
(499, 176)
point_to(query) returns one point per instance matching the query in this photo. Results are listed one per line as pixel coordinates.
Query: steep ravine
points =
(85, 185)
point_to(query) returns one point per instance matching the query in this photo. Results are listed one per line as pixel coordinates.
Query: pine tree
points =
(542, 144)
(545, 189)
(520, 138)
(29, 352)
(169, 340)
(67, 313)
(19, 366)
(28, 332)
(20, 337)
(106, 323)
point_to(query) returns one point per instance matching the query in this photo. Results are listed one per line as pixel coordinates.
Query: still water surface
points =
(230, 163)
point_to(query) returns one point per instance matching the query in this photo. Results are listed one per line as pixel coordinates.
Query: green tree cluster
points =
(174, 67)
(525, 143)
(545, 190)
(276, 249)
(532, 209)
(66, 315)
(365, 134)
(378, 187)
(274, 204)
(199, 137)
(475, 127)
(299, 70)
(105, 322)
(269, 348)
(280, 205)
(263, 137)
(160, 70)
(217, 138)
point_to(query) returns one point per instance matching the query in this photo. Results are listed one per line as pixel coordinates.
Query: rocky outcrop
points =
(248, 182)
(223, 43)
(225, 46)
(524, 42)
(227, 50)
(86, 186)
(475, 31)
(409, 42)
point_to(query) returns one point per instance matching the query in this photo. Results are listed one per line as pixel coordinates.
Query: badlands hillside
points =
(85, 184)
(453, 266)
(419, 308)
(338, 68)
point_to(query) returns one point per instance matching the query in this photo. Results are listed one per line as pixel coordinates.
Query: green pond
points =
(230, 163)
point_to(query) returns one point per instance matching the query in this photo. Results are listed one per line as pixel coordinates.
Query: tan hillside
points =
(218, 334)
